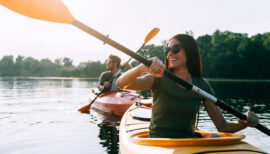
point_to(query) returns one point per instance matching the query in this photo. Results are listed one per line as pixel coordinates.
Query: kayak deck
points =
(116, 102)
(134, 139)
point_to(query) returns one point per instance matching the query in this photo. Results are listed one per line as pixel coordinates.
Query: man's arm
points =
(103, 83)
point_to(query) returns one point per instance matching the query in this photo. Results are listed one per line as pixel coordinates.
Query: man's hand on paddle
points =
(106, 85)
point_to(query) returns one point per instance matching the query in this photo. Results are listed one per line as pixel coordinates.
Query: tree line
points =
(61, 67)
(228, 55)
(224, 55)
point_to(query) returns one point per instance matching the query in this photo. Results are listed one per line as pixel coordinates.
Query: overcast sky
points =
(127, 22)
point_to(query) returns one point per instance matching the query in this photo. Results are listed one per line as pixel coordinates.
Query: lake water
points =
(39, 115)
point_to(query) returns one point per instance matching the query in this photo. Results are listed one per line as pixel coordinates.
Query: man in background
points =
(108, 78)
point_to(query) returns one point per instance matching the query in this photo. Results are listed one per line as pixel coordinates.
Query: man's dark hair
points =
(115, 59)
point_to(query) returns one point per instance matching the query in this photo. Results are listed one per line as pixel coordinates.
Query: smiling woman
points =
(174, 107)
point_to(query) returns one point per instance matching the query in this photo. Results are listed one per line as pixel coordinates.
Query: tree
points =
(205, 45)
(67, 62)
(92, 69)
(7, 66)
(30, 67)
(150, 51)
(48, 68)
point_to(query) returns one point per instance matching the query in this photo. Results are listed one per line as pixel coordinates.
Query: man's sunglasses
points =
(175, 49)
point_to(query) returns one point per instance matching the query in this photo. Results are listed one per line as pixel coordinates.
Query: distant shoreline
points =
(238, 80)
(88, 78)
(52, 78)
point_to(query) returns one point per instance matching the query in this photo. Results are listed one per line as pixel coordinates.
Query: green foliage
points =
(45, 67)
(92, 69)
(224, 55)
(151, 50)
(67, 62)
(7, 62)
(234, 55)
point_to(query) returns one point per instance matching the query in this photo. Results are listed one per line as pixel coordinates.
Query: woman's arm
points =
(130, 80)
(223, 125)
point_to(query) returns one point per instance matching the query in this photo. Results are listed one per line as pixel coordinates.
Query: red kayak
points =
(117, 101)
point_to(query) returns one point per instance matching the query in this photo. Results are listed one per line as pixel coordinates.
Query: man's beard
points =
(109, 69)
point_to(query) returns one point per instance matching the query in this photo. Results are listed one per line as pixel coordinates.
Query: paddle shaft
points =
(102, 91)
(170, 75)
(238, 114)
(110, 42)
(137, 51)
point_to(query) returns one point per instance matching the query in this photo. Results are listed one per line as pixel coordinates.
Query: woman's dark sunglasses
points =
(175, 49)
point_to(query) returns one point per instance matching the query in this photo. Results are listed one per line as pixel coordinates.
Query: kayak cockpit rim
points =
(142, 138)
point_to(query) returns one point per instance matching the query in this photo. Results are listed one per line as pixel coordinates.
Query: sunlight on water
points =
(40, 116)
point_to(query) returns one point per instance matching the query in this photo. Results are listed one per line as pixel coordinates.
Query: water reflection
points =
(243, 105)
(260, 106)
(108, 133)
(225, 88)
(109, 138)
(32, 109)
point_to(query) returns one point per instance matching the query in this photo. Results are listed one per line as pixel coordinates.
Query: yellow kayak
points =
(134, 138)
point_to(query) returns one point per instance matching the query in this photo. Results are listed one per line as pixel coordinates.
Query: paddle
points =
(55, 11)
(149, 36)
(86, 108)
